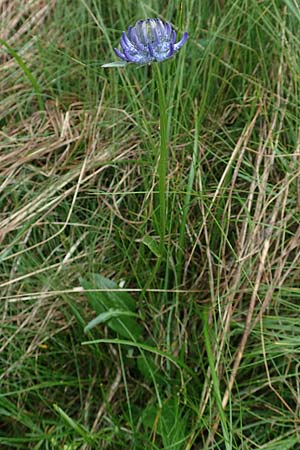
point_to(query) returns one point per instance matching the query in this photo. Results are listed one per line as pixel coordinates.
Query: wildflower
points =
(149, 40)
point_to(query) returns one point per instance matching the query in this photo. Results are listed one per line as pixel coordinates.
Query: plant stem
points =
(162, 157)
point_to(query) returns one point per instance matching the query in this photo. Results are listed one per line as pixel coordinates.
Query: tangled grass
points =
(216, 365)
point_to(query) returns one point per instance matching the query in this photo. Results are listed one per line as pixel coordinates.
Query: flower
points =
(149, 40)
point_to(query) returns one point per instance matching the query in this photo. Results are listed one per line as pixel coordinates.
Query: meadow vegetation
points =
(101, 347)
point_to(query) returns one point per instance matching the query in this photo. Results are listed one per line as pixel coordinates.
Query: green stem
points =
(162, 157)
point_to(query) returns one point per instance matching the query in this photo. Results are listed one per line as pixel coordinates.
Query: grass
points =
(200, 350)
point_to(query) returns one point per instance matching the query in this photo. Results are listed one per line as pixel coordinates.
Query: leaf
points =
(141, 346)
(293, 8)
(152, 245)
(168, 421)
(79, 429)
(106, 316)
(149, 416)
(120, 299)
(115, 64)
(26, 72)
(147, 367)
(110, 307)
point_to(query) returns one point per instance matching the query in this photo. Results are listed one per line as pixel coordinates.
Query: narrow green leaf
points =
(106, 316)
(152, 245)
(176, 361)
(293, 8)
(26, 71)
(115, 64)
(74, 425)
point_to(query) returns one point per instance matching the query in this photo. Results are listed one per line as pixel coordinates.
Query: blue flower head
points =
(149, 40)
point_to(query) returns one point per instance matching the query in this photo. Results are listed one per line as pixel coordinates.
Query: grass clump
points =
(201, 350)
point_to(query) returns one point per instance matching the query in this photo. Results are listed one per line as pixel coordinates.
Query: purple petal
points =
(125, 39)
(156, 35)
(137, 30)
(173, 36)
(123, 45)
(171, 51)
(127, 46)
(120, 55)
(160, 27)
(135, 40)
(150, 48)
(181, 42)
(128, 55)
(168, 29)
(144, 32)
(129, 32)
